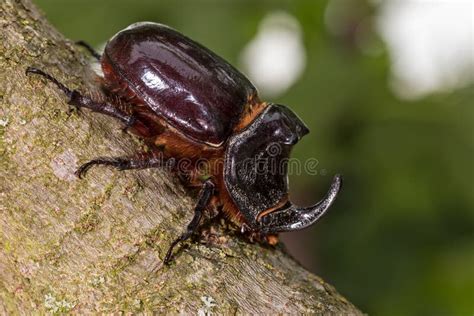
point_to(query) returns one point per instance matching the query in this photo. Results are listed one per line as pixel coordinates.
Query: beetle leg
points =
(204, 197)
(140, 161)
(81, 101)
(89, 48)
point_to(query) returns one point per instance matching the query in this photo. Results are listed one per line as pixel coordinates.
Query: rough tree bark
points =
(97, 245)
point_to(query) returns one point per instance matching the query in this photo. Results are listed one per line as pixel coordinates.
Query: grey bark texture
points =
(96, 245)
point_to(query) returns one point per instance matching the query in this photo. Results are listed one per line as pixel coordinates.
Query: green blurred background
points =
(400, 240)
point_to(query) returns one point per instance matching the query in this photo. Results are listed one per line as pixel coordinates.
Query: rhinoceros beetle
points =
(189, 104)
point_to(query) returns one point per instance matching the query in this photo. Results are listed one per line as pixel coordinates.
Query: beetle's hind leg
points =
(90, 49)
(140, 161)
(81, 101)
(204, 197)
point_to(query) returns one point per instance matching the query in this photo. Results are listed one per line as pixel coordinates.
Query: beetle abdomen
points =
(195, 90)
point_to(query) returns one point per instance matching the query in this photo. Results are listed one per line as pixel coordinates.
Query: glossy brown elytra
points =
(188, 104)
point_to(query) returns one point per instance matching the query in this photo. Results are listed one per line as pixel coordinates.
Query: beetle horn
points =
(291, 217)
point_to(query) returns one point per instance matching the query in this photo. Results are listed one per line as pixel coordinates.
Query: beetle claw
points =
(291, 217)
(62, 87)
(82, 170)
(118, 163)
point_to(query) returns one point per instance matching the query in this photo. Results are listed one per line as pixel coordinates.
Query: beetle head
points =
(256, 173)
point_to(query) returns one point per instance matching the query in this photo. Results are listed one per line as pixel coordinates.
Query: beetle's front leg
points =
(204, 197)
(82, 101)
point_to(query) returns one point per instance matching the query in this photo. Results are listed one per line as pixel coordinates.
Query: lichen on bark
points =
(96, 245)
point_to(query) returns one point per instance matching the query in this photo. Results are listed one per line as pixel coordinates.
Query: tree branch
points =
(97, 245)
